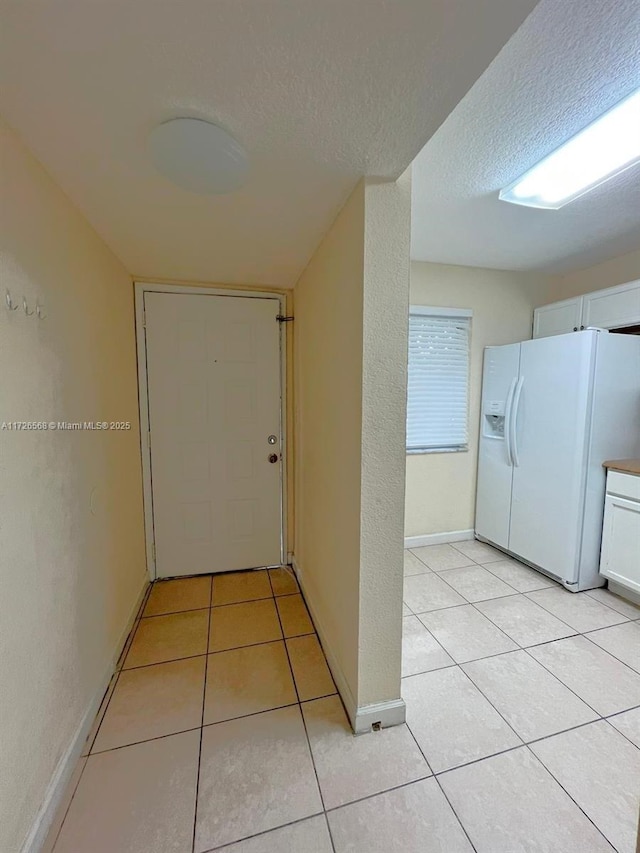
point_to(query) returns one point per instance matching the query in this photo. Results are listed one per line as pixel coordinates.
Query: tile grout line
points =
(304, 722)
(117, 672)
(228, 844)
(437, 781)
(473, 564)
(621, 616)
(606, 651)
(229, 719)
(204, 698)
(619, 713)
(584, 634)
(216, 606)
(215, 651)
(477, 565)
(479, 760)
(170, 660)
(552, 585)
(610, 606)
(500, 714)
(526, 593)
(598, 717)
(437, 641)
(575, 802)
(209, 725)
(606, 627)
(527, 743)
(575, 631)
(570, 689)
(71, 799)
(124, 655)
(175, 612)
(526, 650)
(616, 729)
(497, 627)
(474, 604)
(559, 680)
(573, 729)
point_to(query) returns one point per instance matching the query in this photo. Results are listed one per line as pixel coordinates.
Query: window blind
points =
(438, 381)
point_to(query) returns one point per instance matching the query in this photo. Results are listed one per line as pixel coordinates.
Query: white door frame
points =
(140, 288)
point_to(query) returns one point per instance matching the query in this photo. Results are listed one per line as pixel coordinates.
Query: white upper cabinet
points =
(612, 308)
(557, 318)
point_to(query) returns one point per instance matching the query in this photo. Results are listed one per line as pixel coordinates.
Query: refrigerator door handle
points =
(513, 421)
(507, 425)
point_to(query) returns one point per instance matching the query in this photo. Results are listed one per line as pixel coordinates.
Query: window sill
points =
(424, 450)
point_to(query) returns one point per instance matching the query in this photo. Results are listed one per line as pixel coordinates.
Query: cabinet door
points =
(557, 318)
(612, 308)
(620, 556)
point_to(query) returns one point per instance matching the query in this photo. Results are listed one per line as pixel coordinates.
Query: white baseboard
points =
(362, 718)
(382, 714)
(438, 538)
(67, 763)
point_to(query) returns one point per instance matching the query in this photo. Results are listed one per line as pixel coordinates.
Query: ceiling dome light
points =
(198, 156)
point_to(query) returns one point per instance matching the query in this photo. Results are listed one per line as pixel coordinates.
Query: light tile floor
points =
(222, 730)
(532, 728)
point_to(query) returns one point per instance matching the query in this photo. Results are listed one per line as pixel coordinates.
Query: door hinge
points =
(282, 319)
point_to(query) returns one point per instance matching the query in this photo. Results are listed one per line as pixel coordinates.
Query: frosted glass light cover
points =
(606, 147)
(198, 156)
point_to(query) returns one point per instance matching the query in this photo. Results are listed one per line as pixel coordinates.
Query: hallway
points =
(222, 728)
(208, 669)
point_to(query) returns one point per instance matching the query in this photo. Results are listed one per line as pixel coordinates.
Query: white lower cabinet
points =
(620, 555)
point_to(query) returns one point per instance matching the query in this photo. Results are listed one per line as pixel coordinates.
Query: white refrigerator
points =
(553, 410)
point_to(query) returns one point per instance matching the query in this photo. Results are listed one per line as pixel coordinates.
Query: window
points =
(438, 383)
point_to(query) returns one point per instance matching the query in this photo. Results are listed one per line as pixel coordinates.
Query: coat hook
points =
(26, 307)
(9, 301)
(39, 313)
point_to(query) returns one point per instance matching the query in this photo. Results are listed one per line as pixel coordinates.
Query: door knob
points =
(273, 457)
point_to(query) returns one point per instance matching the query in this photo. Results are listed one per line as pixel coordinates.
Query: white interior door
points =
(214, 396)
(549, 451)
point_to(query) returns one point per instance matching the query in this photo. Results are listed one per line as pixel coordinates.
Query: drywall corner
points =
(384, 381)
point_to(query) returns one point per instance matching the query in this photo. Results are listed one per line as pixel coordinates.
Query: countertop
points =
(626, 466)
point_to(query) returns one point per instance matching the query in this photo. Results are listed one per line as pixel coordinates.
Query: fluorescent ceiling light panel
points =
(605, 148)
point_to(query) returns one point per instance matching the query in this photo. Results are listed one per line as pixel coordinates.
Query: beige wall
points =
(618, 270)
(440, 490)
(350, 365)
(72, 550)
(328, 305)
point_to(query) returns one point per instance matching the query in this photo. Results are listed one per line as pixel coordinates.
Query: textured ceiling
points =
(319, 91)
(568, 63)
